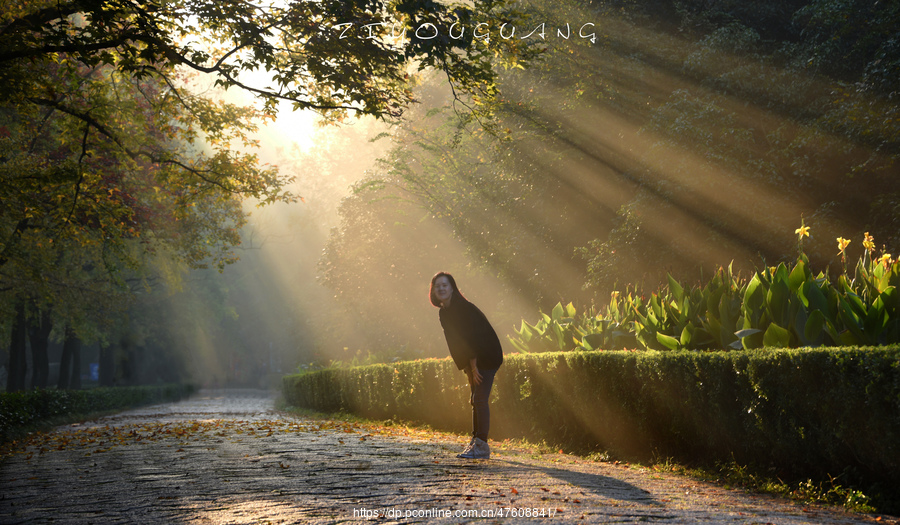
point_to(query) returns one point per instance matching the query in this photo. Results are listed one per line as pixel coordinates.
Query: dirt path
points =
(229, 457)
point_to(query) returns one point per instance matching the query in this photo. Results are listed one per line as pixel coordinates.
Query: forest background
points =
(684, 136)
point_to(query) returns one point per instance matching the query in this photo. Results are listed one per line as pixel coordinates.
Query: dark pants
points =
(481, 411)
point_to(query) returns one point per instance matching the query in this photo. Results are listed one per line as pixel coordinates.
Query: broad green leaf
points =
(781, 274)
(668, 341)
(593, 342)
(687, 335)
(701, 338)
(815, 327)
(558, 312)
(752, 339)
(754, 297)
(675, 288)
(891, 299)
(747, 332)
(876, 319)
(812, 297)
(799, 275)
(777, 336)
(524, 332)
(852, 321)
(777, 301)
(856, 304)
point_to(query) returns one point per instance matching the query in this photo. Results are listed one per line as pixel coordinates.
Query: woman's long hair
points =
(456, 292)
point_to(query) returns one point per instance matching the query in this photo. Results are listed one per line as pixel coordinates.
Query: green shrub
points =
(23, 410)
(804, 412)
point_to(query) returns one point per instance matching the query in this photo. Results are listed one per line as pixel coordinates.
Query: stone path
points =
(229, 457)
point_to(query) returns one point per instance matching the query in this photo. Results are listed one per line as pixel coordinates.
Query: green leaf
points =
(876, 319)
(799, 275)
(676, 289)
(647, 338)
(747, 332)
(593, 342)
(777, 336)
(754, 297)
(558, 312)
(524, 332)
(781, 274)
(856, 304)
(814, 330)
(777, 302)
(812, 297)
(700, 338)
(750, 338)
(687, 335)
(668, 341)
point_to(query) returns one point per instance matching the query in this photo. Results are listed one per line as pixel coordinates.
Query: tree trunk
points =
(39, 335)
(17, 365)
(108, 365)
(70, 364)
(75, 382)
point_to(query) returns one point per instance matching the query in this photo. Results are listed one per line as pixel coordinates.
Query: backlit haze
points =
(680, 138)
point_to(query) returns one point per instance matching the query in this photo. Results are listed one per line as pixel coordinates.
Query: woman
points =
(475, 348)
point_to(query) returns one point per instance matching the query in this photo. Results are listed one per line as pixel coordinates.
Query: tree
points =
(16, 365)
(70, 363)
(79, 215)
(39, 336)
(108, 157)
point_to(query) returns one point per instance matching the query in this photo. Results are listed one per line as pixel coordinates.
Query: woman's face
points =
(443, 290)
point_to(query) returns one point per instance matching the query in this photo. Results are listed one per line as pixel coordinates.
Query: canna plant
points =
(564, 330)
(782, 306)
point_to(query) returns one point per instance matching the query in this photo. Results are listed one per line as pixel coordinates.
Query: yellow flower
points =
(869, 242)
(802, 230)
(885, 260)
(842, 244)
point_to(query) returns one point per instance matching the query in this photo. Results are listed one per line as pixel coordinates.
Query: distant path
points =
(229, 457)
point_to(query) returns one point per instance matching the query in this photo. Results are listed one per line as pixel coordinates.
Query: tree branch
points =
(87, 129)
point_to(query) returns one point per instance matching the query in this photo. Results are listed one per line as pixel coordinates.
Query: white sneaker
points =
(480, 450)
(468, 449)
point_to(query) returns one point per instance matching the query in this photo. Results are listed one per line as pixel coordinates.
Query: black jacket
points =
(470, 335)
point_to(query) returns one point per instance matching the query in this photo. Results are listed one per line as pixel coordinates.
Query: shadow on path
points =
(600, 485)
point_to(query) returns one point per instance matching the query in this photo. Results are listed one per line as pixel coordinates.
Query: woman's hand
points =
(474, 375)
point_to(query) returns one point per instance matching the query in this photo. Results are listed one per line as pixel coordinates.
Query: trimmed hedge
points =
(22, 410)
(806, 412)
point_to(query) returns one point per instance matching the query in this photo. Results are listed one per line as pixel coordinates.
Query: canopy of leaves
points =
(333, 55)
